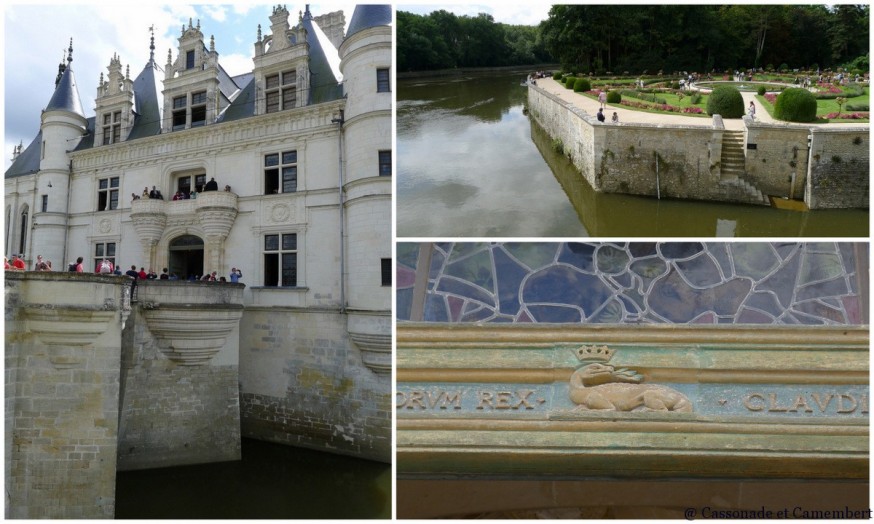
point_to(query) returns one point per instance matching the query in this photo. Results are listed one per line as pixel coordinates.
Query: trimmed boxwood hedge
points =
(725, 101)
(569, 82)
(613, 97)
(556, 75)
(581, 85)
(795, 105)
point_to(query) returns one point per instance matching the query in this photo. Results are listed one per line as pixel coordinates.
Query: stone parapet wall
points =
(776, 158)
(677, 161)
(62, 394)
(638, 159)
(839, 168)
(304, 383)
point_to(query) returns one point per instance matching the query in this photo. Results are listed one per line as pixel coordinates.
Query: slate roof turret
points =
(367, 16)
(66, 95)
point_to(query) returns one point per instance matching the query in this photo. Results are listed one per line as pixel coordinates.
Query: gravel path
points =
(629, 116)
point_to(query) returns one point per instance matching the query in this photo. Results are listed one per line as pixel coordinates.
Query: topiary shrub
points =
(613, 97)
(726, 101)
(570, 82)
(695, 99)
(582, 84)
(784, 67)
(795, 105)
(761, 90)
(857, 107)
(556, 75)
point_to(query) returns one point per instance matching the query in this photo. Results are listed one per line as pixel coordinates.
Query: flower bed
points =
(771, 98)
(848, 116)
(662, 107)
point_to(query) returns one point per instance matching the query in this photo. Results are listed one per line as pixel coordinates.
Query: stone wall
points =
(685, 161)
(180, 399)
(303, 383)
(62, 394)
(839, 168)
(637, 159)
(776, 158)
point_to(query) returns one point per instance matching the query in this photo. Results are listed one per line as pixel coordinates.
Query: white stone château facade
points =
(304, 142)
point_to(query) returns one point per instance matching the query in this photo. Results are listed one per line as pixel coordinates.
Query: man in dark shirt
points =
(212, 185)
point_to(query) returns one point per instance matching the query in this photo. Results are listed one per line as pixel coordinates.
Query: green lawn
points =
(824, 107)
(670, 98)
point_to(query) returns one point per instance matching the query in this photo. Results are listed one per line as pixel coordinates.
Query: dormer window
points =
(111, 128)
(280, 91)
(189, 60)
(179, 116)
(198, 109)
(182, 117)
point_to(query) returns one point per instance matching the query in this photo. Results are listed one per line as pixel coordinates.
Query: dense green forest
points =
(601, 38)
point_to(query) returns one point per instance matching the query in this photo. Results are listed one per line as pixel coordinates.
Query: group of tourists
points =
(155, 193)
(105, 266)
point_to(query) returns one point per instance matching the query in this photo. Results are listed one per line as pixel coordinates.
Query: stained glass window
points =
(780, 283)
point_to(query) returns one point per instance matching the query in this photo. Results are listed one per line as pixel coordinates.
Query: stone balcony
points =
(213, 211)
(191, 321)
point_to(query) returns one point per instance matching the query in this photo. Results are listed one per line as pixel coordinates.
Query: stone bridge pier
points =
(63, 354)
(94, 386)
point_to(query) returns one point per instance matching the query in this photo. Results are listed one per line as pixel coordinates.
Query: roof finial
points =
(259, 32)
(70, 51)
(198, 24)
(212, 43)
(189, 23)
(127, 72)
(152, 44)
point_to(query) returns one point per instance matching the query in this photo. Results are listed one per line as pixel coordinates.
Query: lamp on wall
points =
(50, 183)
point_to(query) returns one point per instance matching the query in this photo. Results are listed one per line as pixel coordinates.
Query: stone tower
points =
(62, 126)
(365, 61)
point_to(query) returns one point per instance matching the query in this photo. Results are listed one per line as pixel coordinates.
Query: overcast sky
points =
(36, 36)
(531, 13)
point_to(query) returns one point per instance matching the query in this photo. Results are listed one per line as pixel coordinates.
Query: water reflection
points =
(272, 481)
(471, 163)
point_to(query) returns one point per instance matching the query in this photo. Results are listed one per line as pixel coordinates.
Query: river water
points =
(470, 163)
(272, 481)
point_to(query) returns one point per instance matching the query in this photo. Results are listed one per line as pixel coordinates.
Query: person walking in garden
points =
(602, 98)
(752, 110)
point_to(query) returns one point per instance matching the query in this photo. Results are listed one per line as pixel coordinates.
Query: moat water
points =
(470, 163)
(270, 482)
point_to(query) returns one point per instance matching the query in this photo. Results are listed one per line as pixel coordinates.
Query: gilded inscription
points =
(484, 399)
(822, 403)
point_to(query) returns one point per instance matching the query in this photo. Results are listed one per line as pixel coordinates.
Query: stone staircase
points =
(733, 168)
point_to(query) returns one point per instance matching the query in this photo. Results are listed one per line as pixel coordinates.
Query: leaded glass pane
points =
(289, 179)
(289, 242)
(289, 269)
(640, 282)
(271, 242)
(271, 160)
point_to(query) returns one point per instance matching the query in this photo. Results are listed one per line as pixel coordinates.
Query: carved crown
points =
(594, 353)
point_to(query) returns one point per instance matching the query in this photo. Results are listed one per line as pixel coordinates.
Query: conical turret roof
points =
(66, 95)
(367, 16)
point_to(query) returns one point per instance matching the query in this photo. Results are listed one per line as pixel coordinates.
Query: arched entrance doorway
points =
(186, 256)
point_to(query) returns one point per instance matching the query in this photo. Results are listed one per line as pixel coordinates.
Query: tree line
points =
(638, 38)
(443, 40)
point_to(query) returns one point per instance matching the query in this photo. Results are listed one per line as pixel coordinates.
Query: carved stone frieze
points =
(599, 386)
